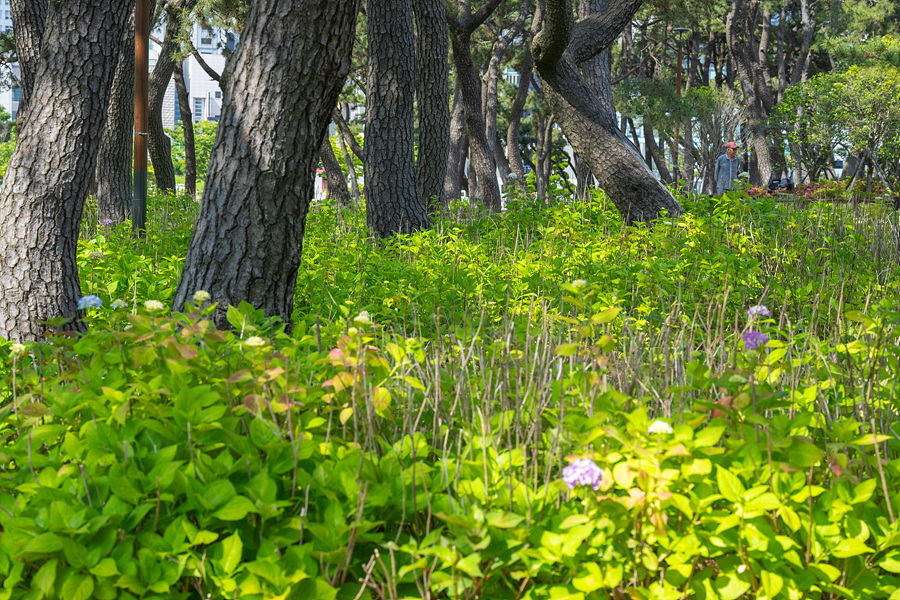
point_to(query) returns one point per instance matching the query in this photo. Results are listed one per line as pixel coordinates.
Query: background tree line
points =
(440, 118)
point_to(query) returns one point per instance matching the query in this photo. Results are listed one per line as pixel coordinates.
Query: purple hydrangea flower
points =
(754, 339)
(584, 472)
(759, 310)
(90, 301)
(108, 223)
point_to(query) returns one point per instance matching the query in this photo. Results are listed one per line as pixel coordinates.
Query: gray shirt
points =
(727, 170)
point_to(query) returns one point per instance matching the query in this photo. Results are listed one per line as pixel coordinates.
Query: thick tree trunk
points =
(590, 129)
(28, 17)
(456, 157)
(46, 183)
(393, 203)
(513, 147)
(281, 86)
(337, 185)
(113, 172)
(187, 126)
(159, 145)
(433, 99)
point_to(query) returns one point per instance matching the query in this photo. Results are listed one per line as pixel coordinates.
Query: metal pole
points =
(141, 123)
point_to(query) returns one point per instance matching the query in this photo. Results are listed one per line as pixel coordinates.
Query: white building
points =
(204, 93)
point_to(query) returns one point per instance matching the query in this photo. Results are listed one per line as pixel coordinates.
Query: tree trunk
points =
(281, 86)
(513, 147)
(393, 203)
(491, 102)
(46, 183)
(456, 157)
(348, 136)
(433, 98)
(482, 155)
(28, 17)
(351, 168)
(757, 89)
(158, 143)
(592, 131)
(113, 172)
(337, 185)
(187, 126)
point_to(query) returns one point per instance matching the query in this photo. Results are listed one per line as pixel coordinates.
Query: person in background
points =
(727, 168)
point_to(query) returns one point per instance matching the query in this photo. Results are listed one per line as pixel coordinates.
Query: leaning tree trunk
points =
(337, 185)
(28, 17)
(187, 126)
(456, 157)
(513, 148)
(393, 203)
(482, 155)
(158, 143)
(114, 165)
(433, 98)
(281, 86)
(47, 181)
(590, 129)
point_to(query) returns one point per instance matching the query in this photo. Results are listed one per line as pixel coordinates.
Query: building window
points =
(206, 37)
(218, 94)
(17, 94)
(198, 109)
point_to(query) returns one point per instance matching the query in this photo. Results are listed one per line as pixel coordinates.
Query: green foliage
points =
(410, 432)
(204, 137)
(6, 152)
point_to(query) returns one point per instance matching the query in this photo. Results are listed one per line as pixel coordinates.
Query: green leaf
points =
(709, 436)
(804, 454)
(45, 578)
(730, 486)
(235, 317)
(233, 549)
(105, 568)
(567, 349)
(590, 581)
(863, 492)
(503, 520)
(235, 509)
(78, 587)
(850, 547)
(44, 543)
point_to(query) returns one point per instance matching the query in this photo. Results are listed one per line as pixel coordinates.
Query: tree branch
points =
(596, 33)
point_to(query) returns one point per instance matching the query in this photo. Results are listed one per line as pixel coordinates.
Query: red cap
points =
(731, 145)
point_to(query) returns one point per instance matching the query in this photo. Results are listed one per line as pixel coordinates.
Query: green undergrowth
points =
(407, 436)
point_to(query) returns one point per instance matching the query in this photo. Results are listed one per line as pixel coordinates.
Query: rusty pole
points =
(141, 123)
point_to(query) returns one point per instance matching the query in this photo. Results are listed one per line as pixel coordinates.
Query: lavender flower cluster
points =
(583, 472)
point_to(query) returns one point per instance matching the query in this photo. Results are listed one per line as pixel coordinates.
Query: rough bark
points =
(513, 147)
(337, 185)
(113, 172)
(591, 130)
(393, 203)
(433, 99)
(28, 17)
(456, 157)
(159, 145)
(482, 155)
(43, 193)
(187, 126)
(281, 85)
